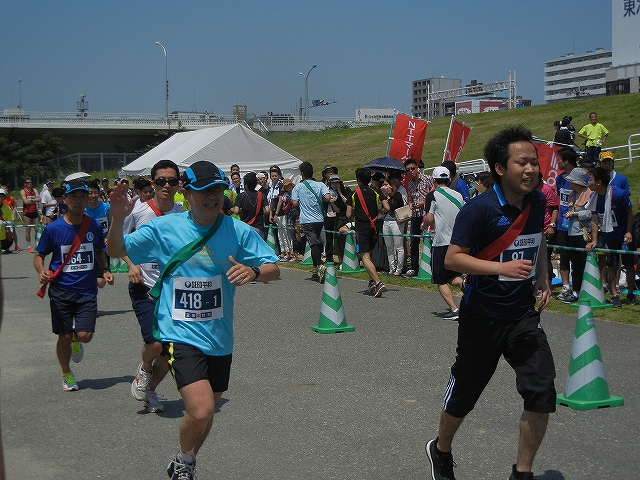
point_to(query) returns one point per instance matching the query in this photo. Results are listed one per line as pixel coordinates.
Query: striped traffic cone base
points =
(350, 262)
(332, 318)
(271, 240)
(586, 387)
(39, 231)
(306, 259)
(425, 273)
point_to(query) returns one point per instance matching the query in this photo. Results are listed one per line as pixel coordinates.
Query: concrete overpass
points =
(102, 132)
(129, 132)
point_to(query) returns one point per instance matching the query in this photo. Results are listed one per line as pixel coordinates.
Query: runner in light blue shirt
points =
(195, 307)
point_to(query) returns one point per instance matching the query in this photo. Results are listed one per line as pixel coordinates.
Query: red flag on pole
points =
(458, 134)
(548, 162)
(408, 138)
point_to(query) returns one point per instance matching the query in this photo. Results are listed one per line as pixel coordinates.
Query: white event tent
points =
(222, 146)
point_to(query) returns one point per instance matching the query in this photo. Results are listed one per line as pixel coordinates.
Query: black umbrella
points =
(385, 165)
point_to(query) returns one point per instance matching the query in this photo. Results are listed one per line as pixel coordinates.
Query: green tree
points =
(29, 158)
(9, 159)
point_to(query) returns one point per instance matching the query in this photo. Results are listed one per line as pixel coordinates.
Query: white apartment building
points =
(601, 72)
(576, 76)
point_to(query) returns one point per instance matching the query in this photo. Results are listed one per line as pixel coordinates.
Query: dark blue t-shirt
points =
(462, 189)
(79, 275)
(483, 220)
(621, 182)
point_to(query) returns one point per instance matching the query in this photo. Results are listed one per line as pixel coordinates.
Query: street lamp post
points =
(306, 90)
(19, 94)
(166, 85)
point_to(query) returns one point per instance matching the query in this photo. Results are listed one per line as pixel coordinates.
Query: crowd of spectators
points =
(274, 205)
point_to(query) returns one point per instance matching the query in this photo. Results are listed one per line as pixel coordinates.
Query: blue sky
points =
(223, 53)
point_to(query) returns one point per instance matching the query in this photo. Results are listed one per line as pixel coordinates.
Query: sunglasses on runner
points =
(161, 182)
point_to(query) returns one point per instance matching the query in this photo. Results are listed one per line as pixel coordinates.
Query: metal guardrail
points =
(99, 119)
(188, 120)
(630, 148)
(633, 147)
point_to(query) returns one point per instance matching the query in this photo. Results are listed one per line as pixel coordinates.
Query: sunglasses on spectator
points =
(161, 182)
(411, 169)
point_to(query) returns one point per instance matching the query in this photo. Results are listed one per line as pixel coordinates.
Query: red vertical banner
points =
(458, 135)
(408, 138)
(548, 162)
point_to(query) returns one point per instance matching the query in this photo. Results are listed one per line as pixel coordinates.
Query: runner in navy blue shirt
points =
(73, 290)
(498, 313)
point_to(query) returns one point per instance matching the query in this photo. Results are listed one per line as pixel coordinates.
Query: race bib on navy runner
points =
(197, 299)
(525, 247)
(82, 259)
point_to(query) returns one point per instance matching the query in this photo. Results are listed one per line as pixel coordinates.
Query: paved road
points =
(302, 405)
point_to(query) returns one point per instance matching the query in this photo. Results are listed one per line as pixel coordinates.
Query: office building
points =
(422, 108)
(624, 74)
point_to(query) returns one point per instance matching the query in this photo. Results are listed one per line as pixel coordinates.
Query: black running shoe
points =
(441, 463)
(520, 475)
(181, 471)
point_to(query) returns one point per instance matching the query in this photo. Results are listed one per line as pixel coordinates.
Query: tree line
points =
(28, 158)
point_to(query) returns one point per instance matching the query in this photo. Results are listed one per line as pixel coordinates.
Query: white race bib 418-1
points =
(197, 299)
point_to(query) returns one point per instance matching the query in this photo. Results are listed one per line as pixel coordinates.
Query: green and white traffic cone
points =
(332, 318)
(123, 267)
(271, 240)
(114, 263)
(350, 262)
(425, 260)
(117, 265)
(591, 290)
(586, 387)
(306, 259)
(39, 231)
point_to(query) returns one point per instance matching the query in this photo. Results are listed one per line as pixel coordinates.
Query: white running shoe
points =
(140, 384)
(69, 382)
(152, 403)
(77, 351)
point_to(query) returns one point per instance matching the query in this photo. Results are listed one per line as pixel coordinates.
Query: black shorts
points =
(481, 343)
(72, 312)
(613, 259)
(366, 239)
(189, 365)
(312, 231)
(439, 273)
(143, 306)
(30, 214)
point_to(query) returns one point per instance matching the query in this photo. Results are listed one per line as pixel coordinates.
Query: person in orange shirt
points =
(10, 202)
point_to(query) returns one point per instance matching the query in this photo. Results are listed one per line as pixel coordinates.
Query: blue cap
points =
(201, 175)
(74, 185)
